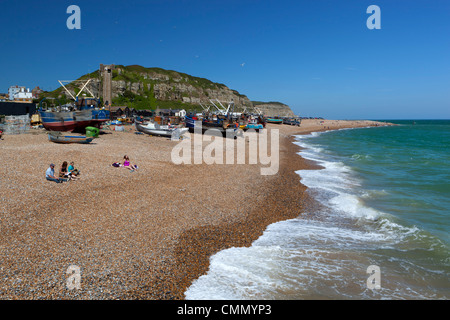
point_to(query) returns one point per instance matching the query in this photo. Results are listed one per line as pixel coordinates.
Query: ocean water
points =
(384, 197)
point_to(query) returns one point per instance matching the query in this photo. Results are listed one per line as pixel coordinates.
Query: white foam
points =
(304, 258)
(337, 181)
(292, 259)
(337, 187)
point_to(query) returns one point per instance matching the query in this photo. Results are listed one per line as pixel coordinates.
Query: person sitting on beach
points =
(74, 172)
(64, 172)
(128, 165)
(50, 174)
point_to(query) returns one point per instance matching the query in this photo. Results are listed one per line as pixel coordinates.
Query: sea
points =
(381, 229)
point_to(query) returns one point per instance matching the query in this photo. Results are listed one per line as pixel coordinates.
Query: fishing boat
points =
(57, 120)
(57, 137)
(81, 113)
(191, 121)
(220, 123)
(65, 120)
(156, 129)
(274, 120)
(98, 115)
(82, 118)
(76, 120)
(215, 123)
(87, 101)
(253, 124)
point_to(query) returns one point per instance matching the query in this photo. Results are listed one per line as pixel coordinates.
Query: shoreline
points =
(285, 200)
(141, 235)
(288, 193)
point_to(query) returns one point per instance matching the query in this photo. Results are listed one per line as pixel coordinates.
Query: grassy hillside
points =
(147, 78)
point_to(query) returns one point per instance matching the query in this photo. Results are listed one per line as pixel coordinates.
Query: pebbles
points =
(134, 235)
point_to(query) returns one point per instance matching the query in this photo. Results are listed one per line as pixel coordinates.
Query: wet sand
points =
(134, 235)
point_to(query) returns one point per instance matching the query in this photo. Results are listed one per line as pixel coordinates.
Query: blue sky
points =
(317, 56)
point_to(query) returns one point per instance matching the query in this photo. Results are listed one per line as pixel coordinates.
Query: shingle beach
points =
(134, 235)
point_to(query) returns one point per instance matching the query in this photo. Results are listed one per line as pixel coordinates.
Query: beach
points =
(134, 235)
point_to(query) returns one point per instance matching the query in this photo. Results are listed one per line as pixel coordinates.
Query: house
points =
(180, 113)
(36, 92)
(146, 113)
(123, 112)
(12, 91)
(19, 93)
(170, 112)
(117, 112)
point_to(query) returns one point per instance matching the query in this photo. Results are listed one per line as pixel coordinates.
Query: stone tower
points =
(106, 76)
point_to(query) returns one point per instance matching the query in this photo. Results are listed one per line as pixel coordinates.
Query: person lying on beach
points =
(50, 174)
(128, 165)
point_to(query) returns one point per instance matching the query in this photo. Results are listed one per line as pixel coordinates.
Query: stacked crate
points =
(16, 124)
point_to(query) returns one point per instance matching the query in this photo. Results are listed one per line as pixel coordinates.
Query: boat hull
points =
(69, 139)
(82, 119)
(254, 126)
(58, 121)
(162, 132)
(211, 127)
(275, 121)
(99, 117)
(205, 125)
(73, 121)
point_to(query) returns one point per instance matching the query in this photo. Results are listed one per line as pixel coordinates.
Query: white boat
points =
(159, 130)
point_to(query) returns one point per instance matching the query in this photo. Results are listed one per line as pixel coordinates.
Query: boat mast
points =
(79, 83)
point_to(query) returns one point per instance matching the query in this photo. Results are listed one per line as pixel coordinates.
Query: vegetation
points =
(140, 102)
(256, 103)
(148, 77)
(145, 96)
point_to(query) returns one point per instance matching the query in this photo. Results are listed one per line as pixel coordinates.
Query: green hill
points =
(150, 88)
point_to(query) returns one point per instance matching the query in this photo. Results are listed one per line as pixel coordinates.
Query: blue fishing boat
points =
(57, 137)
(189, 121)
(218, 123)
(98, 115)
(57, 121)
(253, 124)
(274, 120)
(86, 114)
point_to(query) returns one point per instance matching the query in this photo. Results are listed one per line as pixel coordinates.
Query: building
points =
(127, 112)
(17, 108)
(12, 91)
(106, 77)
(18, 93)
(170, 112)
(180, 113)
(36, 92)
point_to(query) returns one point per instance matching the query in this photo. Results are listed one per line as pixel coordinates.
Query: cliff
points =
(273, 109)
(149, 88)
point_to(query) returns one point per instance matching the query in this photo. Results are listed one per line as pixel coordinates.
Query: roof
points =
(117, 108)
